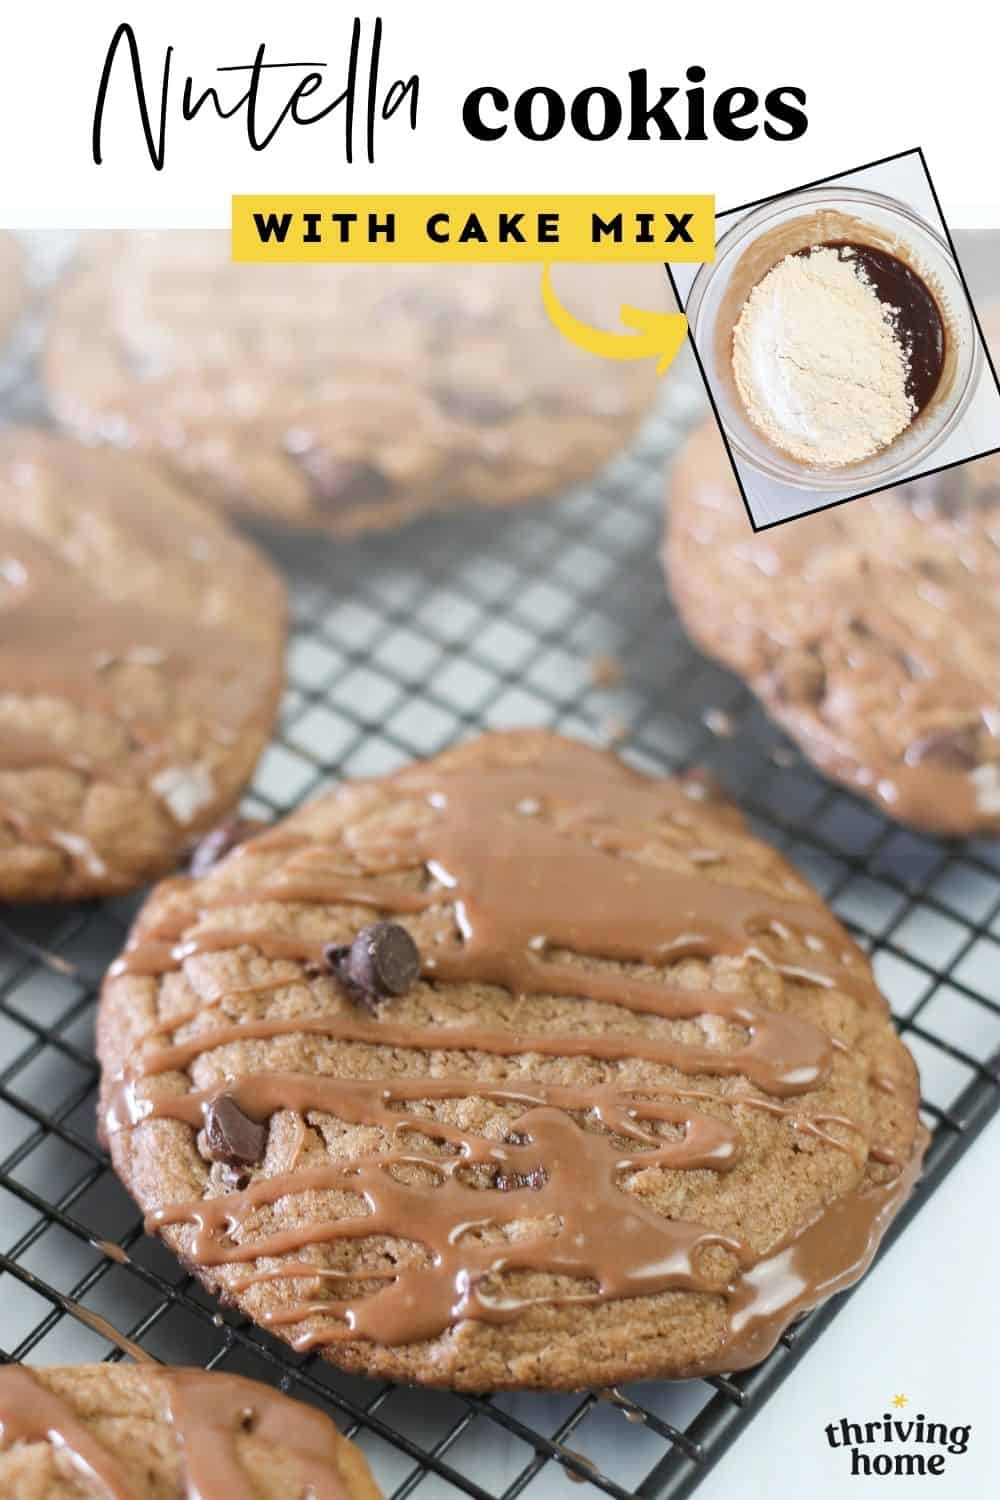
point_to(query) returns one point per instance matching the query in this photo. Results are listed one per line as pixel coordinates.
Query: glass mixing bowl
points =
(745, 253)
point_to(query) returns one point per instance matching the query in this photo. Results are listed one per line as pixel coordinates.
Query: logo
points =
(897, 1445)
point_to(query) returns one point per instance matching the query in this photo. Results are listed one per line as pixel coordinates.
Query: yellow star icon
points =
(900, 1400)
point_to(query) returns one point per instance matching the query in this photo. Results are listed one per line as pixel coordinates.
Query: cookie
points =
(338, 397)
(514, 1069)
(13, 284)
(145, 1432)
(137, 688)
(870, 632)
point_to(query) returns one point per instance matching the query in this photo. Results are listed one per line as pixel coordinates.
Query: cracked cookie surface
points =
(137, 689)
(638, 1074)
(338, 397)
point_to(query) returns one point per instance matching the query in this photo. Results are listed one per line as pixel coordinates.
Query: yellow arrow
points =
(656, 333)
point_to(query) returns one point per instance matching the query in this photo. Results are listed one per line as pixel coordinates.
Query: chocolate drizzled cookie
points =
(871, 632)
(337, 397)
(136, 687)
(121, 1432)
(626, 1115)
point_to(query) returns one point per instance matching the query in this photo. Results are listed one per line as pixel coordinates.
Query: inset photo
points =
(838, 341)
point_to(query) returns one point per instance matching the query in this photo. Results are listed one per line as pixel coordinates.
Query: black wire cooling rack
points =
(401, 644)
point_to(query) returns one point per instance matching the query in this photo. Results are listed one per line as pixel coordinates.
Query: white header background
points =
(879, 78)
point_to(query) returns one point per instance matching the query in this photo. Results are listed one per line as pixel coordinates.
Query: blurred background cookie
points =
(140, 667)
(152, 1433)
(341, 397)
(13, 283)
(871, 631)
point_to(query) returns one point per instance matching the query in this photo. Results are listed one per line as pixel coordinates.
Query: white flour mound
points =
(818, 363)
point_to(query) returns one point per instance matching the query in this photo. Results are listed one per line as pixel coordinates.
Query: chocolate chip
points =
(511, 1182)
(949, 492)
(338, 483)
(220, 841)
(383, 961)
(955, 491)
(799, 677)
(474, 406)
(232, 1137)
(954, 749)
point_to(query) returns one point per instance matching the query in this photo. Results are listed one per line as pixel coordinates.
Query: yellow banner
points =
(473, 227)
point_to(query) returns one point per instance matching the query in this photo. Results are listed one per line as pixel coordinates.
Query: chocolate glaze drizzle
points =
(540, 871)
(206, 1412)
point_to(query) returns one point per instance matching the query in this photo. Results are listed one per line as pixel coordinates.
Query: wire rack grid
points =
(401, 644)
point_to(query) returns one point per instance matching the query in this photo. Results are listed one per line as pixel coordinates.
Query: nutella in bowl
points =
(838, 337)
(837, 351)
